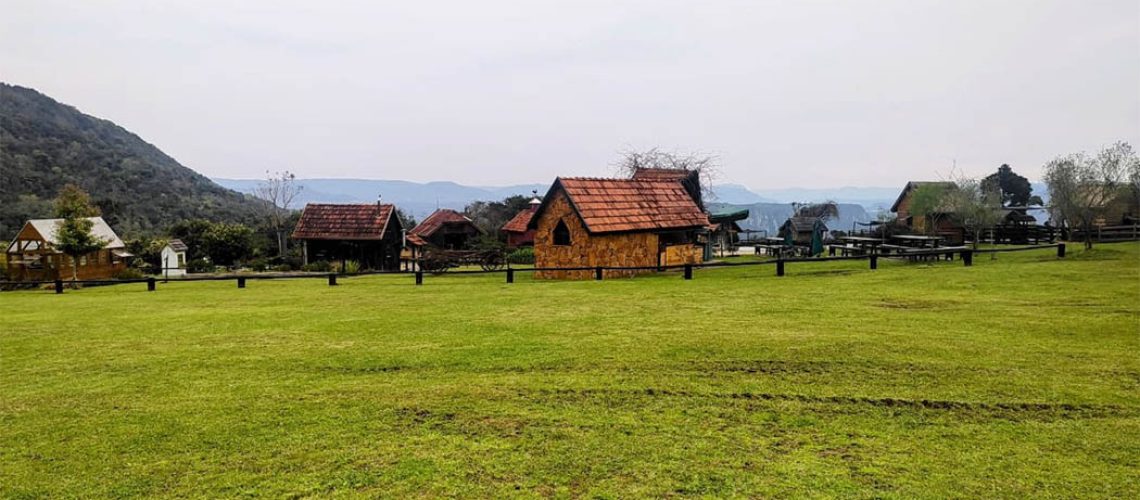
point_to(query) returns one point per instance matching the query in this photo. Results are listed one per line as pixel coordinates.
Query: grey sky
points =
(788, 93)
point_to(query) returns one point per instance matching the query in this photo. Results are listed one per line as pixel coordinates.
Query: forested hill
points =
(45, 144)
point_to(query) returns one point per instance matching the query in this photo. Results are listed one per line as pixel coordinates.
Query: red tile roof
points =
(521, 220)
(617, 205)
(436, 220)
(326, 221)
(415, 240)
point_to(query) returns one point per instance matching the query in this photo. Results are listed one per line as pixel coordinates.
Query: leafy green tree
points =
(974, 204)
(227, 244)
(73, 235)
(1016, 191)
(927, 201)
(489, 216)
(1082, 188)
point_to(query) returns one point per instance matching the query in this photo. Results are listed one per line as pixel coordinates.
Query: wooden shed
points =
(447, 229)
(589, 222)
(517, 230)
(369, 233)
(808, 232)
(32, 255)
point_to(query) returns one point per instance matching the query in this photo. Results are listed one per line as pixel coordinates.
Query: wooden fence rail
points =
(966, 256)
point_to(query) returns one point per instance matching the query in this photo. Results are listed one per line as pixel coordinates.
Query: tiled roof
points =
(436, 220)
(616, 205)
(326, 221)
(662, 174)
(177, 245)
(415, 240)
(519, 223)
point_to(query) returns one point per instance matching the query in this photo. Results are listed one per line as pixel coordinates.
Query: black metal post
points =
(419, 277)
(1060, 250)
(688, 271)
(58, 286)
(779, 267)
(510, 275)
(598, 273)
(332, 279)
(874, 262)
(150, 284)
(241, 282)
(968, 257)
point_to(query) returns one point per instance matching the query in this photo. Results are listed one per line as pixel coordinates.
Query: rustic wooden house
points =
(446, 229)
(32, 255)
(368, 233)
(808, 232)
(588, 222)
(941, 222)
(517, 230)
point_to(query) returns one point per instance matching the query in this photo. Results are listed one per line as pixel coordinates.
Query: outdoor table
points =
(917, 241)
(864, 242)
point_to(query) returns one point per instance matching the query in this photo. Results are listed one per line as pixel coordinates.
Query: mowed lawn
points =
(1015, 377)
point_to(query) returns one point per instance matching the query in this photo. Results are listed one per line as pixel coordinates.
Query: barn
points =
(589, 222)
(447, 229)
(32, 255)
(368, 233)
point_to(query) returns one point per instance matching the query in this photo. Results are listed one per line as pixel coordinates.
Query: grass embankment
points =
(1015, 377)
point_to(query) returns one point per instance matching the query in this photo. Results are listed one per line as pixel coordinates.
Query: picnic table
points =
(917, 241)
(861, 244)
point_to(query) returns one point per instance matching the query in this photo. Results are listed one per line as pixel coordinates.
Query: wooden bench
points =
(845, 250)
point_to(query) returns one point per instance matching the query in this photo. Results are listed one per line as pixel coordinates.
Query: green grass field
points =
(1015, 377)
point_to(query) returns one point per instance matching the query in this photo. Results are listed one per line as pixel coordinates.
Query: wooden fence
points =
(966, 256)
(1107, 234)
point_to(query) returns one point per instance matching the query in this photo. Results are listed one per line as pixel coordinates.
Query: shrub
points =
(351, 267)
(320, 266)
(524, 255)
(199, 266)
(130, 273)
(258, 265)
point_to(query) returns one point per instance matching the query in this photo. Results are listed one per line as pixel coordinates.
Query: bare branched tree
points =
(1082, 188)
(277, 194)
(975, 204)
(708, 165)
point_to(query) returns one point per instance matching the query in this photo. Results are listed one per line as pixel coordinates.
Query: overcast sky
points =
(787, 93)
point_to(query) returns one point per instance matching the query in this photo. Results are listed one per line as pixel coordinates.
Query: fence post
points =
(874, 262)
(58, 286)
(332, 279)
(419, 277)
(150, 284)
(598, 273)
(779, 267)
(1060, 250)
(968, 257)
(688, 271)
(510, 275)
(241, 282)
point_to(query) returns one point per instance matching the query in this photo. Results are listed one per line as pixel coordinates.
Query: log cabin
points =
(590, 222)
(32, 255)
(446, 229)
(368, 233)
(941, 222)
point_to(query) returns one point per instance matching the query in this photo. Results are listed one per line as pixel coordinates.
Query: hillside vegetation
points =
(45, 144)
(1014, 378)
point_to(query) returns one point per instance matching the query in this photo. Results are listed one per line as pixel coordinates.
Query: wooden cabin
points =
(940, 223)
(447, 229)
(368, 233)
(517, 230)
(32, 255)
(807, 232)
(588, 222)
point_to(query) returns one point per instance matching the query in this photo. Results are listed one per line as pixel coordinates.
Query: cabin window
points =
(181, 260)
(561, 234)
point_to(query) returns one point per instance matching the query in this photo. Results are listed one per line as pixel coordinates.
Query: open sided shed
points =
(369, 233)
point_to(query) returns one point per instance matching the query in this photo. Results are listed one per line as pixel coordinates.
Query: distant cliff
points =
(769, 216)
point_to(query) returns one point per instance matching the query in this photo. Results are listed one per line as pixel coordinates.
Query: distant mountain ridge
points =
(45, 144)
